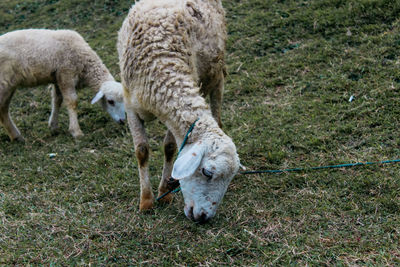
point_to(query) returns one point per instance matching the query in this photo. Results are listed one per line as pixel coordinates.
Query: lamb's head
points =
(111, 96)
(204, 170)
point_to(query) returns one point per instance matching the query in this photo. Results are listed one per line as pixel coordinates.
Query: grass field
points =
(292, 67)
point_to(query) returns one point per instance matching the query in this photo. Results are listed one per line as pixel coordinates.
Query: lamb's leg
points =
(5, 119)
(67, 88)
(56, 101)
(169, 152)
(71, 102)
(216, 99)
(142, 154)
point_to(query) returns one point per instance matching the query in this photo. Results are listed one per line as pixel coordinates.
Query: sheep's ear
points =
(188, 162)
(97, 97)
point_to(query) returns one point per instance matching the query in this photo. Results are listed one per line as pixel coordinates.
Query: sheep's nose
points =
(200, 218)
(203, 218)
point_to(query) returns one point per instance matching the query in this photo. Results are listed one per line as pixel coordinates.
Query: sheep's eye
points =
(207, 173)
(111, 102)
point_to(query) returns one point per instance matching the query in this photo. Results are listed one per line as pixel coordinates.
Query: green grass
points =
(292, 66)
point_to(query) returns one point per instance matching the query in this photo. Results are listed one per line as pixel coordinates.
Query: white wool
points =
(35, 57)
(172, 56)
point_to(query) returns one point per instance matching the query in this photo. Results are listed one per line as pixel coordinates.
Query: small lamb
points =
(172, 56)
(36, 57)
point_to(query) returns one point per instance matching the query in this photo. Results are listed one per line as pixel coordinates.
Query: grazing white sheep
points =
(61, 57)
(171, 56)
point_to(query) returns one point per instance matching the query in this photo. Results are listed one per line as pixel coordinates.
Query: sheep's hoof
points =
(19, 139)
(53, 125)
(77, 134)
(146, 204)
(54, 130)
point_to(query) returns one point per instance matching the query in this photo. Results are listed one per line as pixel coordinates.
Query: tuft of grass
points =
(292, 67)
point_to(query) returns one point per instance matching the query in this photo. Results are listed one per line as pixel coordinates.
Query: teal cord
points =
(283, 170)
(322, 167)
(180, 149)
(170, 191)
(347, 165)
(187, 136)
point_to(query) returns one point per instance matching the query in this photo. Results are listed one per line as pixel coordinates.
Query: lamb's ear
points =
(97, 97)
(188, 162)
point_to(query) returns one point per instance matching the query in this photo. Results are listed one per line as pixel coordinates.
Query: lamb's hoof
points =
(77, 134)
(146, 204)
(54, 130)
(53, 125)
(18, 139)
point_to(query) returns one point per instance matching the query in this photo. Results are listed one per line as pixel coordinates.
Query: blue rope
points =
(187, 136)
(283, 170)
(347, 165)
(323, 167)
(170, 191)
(179, 151)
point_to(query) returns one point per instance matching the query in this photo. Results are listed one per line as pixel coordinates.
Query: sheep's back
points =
(162, 42)
(40, 53)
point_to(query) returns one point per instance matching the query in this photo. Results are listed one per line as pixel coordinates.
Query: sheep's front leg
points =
(71, 98)
(216, 98)
(67, 88)
(169, 152)
(56, 101)
(5, 119)
(142, 154)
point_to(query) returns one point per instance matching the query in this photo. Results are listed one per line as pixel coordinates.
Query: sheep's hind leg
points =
(5, 119)
(142, 154)
(56, 101)
(169, 152)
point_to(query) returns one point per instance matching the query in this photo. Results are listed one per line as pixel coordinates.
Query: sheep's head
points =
(204, 170)
(111, 95)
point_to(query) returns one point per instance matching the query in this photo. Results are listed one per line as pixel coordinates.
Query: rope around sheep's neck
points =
(186, 136)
